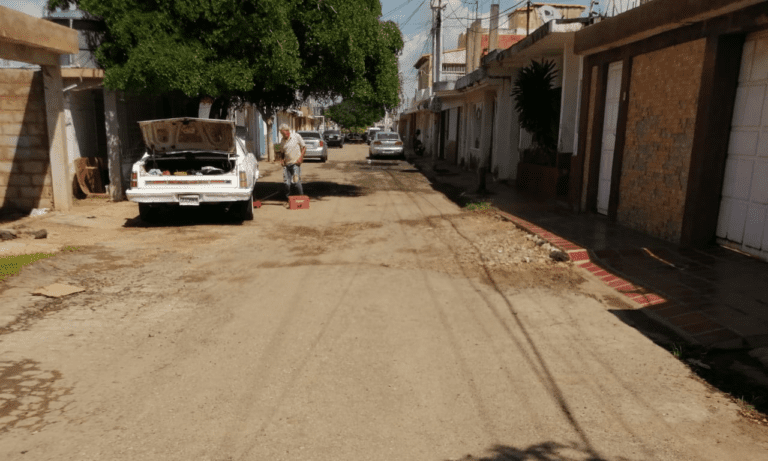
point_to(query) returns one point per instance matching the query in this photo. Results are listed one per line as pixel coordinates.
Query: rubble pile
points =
(513, 246)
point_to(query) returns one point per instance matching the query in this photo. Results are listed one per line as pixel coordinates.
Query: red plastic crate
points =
(298, 202)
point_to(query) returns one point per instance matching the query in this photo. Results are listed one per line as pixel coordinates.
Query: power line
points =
(414, 13)
(392, 11)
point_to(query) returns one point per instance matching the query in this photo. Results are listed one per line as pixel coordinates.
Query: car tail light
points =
(399, 143)
(243, 180)
(321, 143)
(134, 179)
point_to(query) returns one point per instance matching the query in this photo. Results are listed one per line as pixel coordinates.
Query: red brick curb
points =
(696, 327)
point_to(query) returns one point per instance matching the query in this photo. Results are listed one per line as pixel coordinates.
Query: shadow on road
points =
(723, 369)
(545, 451)
(189, 216)
(317, 190)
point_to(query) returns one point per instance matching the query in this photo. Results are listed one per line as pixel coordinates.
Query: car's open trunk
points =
(197, 163)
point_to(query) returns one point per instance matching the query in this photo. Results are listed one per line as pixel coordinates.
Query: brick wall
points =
(661, 116)
(25, 176)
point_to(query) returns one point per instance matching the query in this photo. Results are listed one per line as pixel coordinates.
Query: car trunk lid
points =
(188, 135)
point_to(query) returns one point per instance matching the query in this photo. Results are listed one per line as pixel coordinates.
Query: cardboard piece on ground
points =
(57, 290)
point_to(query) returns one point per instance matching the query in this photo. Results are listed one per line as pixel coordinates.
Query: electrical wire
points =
(414, 13)
(397, 8)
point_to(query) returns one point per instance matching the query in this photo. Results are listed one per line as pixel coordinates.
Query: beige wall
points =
(25, 177)
(661, 116)
(517, 18)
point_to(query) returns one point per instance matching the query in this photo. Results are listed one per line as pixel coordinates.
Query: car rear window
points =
(309, 134)
(331, 132)
(388, 136)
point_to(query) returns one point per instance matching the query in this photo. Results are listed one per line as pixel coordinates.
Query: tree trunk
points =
(219, 109)
(270, 144)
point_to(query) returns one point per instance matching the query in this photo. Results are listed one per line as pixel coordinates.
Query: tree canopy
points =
(354, 114)
(273, 53)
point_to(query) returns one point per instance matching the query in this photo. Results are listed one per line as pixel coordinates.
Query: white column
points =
(57, 139)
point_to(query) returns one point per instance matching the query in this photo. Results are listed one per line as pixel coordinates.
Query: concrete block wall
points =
(661, 116)
(25, 176)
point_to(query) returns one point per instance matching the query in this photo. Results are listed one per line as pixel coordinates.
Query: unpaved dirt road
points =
(384, 323)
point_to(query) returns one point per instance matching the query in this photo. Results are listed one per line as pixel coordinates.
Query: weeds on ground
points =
(11, 265)
(478, 206)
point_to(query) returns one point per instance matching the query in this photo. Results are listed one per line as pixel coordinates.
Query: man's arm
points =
(303, 150)
(301, 159)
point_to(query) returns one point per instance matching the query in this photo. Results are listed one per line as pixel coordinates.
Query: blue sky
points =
(413, 17)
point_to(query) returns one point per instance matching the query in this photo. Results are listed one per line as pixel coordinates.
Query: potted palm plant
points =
(537, 103)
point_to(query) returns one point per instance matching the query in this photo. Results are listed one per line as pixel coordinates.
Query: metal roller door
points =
(744, 204)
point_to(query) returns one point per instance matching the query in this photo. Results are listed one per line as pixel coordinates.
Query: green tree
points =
(273, 53)
(354, 114)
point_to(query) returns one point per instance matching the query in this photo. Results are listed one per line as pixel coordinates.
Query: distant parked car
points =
(193, 162)
(354, 137)
(316, 147)
(370, 134)
(334, 138)
(386, 144)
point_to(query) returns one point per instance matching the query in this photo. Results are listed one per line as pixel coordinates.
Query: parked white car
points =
(193, 162)
(386, 143)
(316, 147)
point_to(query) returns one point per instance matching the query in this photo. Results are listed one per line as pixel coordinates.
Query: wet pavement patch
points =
(29, 396)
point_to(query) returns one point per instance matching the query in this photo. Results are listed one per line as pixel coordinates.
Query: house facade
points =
(472, 122)
(673, 127)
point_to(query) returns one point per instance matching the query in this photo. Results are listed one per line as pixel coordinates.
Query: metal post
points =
(528, 18)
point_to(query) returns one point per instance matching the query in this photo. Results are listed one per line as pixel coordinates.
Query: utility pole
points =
(528, 18)
(437, 40)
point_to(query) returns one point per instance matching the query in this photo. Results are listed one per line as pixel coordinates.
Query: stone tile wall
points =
(661, 116)
(25, 176)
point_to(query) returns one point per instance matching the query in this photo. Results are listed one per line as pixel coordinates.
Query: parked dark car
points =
(334, 138)
(354, 137)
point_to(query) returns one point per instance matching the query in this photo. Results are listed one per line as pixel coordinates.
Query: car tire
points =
(323, 159)
(245, 209)
(148, 213)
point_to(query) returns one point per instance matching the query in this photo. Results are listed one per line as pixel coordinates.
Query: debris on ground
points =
(7, 234)
(559, 256)
(38, 211)
(58, 290)
(39, 234)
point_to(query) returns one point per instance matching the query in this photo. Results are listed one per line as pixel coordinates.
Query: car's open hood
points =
(188, 134)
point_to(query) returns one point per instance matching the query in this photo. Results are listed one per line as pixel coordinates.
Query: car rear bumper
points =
(173, 195)
(391, 151)
(314, 153)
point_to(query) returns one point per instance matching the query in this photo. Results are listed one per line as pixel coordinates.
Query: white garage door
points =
(610, 122)
(744, 204)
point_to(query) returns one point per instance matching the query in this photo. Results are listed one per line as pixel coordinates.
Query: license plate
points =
(189, 200)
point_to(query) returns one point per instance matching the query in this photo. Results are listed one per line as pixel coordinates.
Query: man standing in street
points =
(293, 148)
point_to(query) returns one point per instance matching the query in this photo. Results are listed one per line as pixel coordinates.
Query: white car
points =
(193, 162)
(386, 144)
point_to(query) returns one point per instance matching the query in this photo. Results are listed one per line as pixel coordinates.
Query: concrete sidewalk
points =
(714, 297)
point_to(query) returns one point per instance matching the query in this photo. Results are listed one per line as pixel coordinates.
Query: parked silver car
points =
(386, 144)
(316, 147)
(192, 162)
